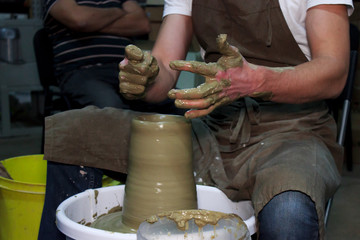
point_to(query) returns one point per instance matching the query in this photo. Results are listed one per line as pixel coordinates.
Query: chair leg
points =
(348, 145)
(327, 211)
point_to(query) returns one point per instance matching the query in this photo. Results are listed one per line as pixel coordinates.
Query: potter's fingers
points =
(186, 104)
(123, 63)
(133, 68)
(195, 113)
(225, 48)
(153, 67)
(205, 69)
(148, 59)
(129, 96)
(198, 103)
(201, 91)
(132, 78)
(130, 88)
(134, 53)
(140, 68)
(150, 64)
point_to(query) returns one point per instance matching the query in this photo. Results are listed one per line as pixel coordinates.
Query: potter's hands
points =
(225, 81)
(137, 72)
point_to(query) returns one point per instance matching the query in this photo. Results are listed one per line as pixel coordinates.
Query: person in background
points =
(89, 38)
(269, 67)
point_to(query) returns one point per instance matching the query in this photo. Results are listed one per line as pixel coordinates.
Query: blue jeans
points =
(65, 181)
(289, 215)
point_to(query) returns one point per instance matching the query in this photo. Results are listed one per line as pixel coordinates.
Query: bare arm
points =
(325, 75)
(131, 20)
(172, 43)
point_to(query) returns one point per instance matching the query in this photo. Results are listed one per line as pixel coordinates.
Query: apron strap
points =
(243, 128)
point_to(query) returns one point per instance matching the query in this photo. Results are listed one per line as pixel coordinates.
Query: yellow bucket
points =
(22, 199)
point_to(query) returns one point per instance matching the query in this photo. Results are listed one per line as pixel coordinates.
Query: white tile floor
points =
(344, 220)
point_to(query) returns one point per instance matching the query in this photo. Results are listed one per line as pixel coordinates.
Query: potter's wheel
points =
(85, 207)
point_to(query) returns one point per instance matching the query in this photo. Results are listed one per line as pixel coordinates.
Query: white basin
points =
(86, 206)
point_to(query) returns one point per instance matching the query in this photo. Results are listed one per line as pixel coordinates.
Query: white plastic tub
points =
(85, 206)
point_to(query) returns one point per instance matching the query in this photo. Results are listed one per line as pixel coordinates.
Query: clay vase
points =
(160, 173)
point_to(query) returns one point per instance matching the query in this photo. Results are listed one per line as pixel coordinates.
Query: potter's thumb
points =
(225, 48)
(132, 52)
(180, 65)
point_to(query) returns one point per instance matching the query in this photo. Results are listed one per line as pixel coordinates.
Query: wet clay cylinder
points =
(160, 174)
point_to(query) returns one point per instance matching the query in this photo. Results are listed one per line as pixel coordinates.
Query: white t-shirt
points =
(294, 12)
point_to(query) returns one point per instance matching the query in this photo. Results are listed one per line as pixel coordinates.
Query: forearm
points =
(130, 20)
(131, 24)
(84, 18)
(95, 20)
(171, 44)
(321, 78)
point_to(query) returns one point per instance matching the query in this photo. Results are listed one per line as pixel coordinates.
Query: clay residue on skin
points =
(203, 90)
(139, 62)
(200, 217)
(229, 59)
(266, 96)
(133, 52)
(137, 73)
(133, 88)
(199, 99)
(206, 69)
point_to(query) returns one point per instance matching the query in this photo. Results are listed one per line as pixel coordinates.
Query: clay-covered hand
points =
(137, 71)
(225, 81)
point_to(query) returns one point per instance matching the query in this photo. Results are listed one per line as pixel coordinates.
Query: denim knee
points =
(62, 182)
(289, 215)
